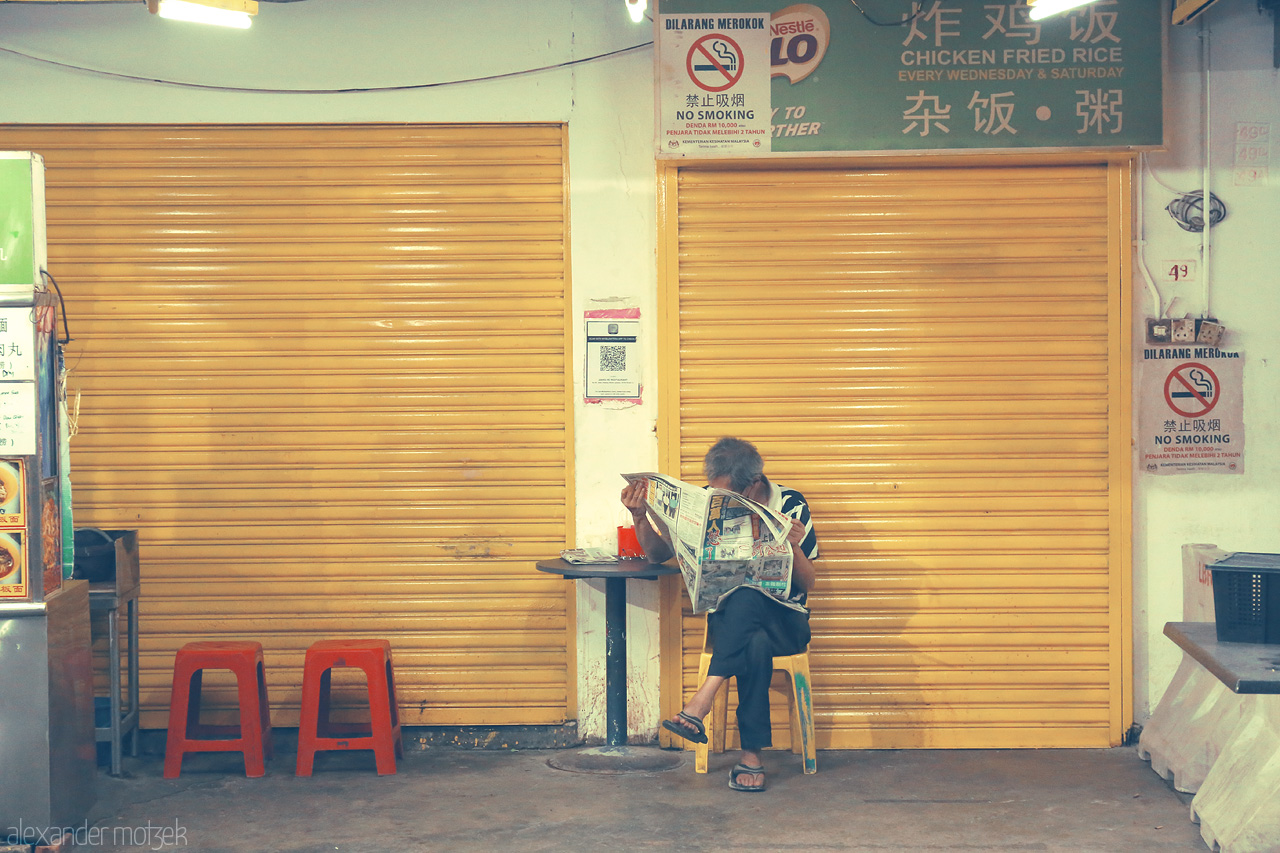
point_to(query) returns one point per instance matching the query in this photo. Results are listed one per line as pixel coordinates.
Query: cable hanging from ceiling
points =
(343, 91)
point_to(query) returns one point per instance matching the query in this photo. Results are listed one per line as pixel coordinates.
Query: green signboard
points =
(17, 220)
(933, 75)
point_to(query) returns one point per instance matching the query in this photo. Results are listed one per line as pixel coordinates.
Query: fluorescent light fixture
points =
(222, 13)
(637, 8)
(1045, 8)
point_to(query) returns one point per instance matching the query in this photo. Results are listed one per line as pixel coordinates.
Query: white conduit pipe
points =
(1205, 205)
(1156, 300)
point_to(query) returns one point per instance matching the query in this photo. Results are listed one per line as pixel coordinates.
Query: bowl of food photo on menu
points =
(10, 557)
(9, 484)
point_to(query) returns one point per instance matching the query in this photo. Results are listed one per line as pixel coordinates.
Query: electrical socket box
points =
(1183, 331)
(1209, 332)
(1159, 331)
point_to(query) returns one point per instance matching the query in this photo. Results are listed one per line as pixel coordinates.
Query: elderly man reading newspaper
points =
(749, 622)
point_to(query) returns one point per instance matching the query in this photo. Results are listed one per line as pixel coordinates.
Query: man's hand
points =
(803, 572)
(633, 498)
(656, 546)
(796, 534)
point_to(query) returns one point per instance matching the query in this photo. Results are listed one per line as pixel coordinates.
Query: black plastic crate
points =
(1246, 598)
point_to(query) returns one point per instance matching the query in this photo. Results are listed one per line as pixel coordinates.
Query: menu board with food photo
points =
(13, 581)
(11, 494)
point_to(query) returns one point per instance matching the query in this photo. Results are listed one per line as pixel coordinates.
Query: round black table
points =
(615, 756)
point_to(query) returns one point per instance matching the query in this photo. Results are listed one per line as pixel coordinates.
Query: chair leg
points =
(802, 713)
(395, 710)
(180, 712)
(264, 708)
(250, 690)
(793, 715)
(720, 713)
(382, 733)
(308, 723)
(700, 750)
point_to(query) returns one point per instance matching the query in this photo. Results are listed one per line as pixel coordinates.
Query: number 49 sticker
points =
(1178, 271)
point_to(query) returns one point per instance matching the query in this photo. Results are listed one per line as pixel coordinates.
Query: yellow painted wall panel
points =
(322, 370)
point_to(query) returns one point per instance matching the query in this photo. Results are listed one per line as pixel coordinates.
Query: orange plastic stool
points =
(187, 734)
(316, 732)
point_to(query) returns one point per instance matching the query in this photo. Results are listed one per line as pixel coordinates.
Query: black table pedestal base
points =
(615, 757)
(616, 760)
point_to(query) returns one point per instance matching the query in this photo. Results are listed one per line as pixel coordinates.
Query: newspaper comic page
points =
(721, 539)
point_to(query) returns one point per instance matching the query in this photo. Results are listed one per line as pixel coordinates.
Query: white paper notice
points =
(17, 347)
(613, 359)
(17, 418)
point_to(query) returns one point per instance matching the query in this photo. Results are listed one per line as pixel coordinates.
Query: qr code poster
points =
(613, 359)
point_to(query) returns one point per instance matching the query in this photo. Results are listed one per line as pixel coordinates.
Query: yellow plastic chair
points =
(801, 704)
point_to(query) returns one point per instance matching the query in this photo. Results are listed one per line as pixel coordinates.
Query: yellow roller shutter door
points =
(321, 369)
(936, 358)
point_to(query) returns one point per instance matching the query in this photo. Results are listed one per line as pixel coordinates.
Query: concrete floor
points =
(460, 800)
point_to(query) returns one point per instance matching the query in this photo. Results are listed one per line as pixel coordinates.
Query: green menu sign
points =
(17, 220)
(932, 75)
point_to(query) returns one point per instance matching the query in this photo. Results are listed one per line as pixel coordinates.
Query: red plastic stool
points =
(187, 734)
(316, 732)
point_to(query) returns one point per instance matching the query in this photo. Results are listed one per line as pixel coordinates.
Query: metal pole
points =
(615, 660)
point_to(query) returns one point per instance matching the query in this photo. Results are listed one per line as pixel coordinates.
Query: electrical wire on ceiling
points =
(874, 22)
(345, 91)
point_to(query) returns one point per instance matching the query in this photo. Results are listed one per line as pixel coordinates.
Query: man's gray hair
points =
(736, 459)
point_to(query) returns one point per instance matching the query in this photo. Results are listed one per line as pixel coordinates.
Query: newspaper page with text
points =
(722, 540)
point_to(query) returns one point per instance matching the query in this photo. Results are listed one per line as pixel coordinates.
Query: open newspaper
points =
(721, 539)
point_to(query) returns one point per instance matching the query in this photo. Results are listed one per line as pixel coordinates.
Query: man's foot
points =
(686, 726)
(747, 778)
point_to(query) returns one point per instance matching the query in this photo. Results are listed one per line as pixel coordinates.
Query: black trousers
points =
(747, 631)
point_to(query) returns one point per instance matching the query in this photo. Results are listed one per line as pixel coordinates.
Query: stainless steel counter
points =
(46, 710)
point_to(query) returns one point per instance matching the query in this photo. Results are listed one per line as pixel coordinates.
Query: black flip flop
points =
(744, 770)
(699, 733)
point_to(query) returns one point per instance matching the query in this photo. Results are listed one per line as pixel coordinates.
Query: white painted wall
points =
(1240, 512)
(421, 47)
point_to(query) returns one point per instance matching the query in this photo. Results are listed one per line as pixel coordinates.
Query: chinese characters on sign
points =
(1192, 415)
(938, 74)
(18, 418)
(17, 359)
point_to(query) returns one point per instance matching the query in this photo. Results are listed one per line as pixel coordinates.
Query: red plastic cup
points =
(628, 545)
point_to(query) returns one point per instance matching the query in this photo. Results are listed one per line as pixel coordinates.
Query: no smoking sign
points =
(1192, 389)
(713, 79)
(715, 62)
(1192, 414)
